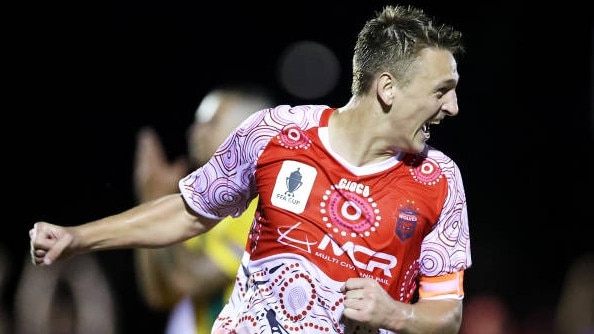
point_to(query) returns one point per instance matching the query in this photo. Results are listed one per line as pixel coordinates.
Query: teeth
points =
(426, 131)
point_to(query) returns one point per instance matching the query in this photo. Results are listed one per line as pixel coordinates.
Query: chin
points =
(414, 146)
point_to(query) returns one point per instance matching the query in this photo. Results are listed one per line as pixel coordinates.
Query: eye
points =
(444, 88)
(441, 92)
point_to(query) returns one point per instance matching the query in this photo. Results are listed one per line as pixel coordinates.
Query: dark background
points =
(84, 76)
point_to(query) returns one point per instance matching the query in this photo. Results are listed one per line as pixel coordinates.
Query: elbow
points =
(452, 320)
(437, 316)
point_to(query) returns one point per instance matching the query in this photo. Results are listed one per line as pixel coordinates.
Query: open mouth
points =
(426, 131)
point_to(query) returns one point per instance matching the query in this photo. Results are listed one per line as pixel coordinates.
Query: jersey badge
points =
(293, 186)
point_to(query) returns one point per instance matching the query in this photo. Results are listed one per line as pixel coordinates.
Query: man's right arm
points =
(154, 224)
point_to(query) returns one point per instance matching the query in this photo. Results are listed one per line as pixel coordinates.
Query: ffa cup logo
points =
(293, 186)
(293, 183)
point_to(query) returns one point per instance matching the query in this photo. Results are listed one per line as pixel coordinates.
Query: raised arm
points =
(153, 224)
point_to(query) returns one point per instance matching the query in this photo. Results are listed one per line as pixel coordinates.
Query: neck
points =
(352, 133)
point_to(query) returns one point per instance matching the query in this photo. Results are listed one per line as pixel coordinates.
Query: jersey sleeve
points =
(446, 249)
(224, 186)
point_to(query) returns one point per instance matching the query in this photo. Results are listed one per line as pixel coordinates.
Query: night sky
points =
(85, 76)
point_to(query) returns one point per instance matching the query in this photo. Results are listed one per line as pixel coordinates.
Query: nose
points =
(450, 106)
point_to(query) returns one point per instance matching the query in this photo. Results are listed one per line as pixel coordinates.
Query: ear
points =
(385, 89)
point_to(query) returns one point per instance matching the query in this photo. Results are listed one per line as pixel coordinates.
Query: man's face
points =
(426, 100)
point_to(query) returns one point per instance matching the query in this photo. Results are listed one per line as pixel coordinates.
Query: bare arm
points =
(367, 302)
(157, 223)
(433, 316)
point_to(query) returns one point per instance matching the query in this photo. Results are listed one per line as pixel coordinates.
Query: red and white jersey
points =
(321, 220)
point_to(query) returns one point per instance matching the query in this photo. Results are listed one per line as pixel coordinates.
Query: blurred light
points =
(308, 70)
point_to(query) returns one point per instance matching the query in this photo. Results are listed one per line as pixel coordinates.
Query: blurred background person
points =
(575, 309)
(5, 316)
(73, 297)
(194, 279)
(487, 313)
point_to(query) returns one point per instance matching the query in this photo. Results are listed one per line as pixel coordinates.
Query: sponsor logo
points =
(360, 256)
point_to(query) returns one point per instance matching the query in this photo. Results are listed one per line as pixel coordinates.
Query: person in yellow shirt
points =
(194, 279)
